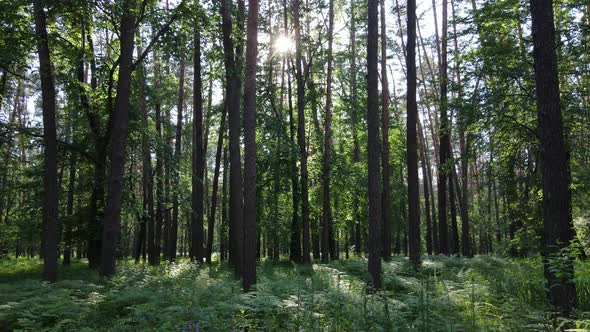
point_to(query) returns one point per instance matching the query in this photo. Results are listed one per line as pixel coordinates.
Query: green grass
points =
(448, 294)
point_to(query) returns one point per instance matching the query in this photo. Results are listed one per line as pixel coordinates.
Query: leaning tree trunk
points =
(50, 208)
(557, 218)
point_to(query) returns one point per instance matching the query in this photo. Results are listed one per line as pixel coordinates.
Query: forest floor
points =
(448, 294)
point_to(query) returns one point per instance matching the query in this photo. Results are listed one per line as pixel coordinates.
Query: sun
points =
(284, 45)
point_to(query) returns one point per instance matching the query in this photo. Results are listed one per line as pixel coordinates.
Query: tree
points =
(173, 229)
(50, 211)
(386, 252)
(373, 148)
(250, 231)
(557, 218)
(301, 132)
(148, 185)
(412, 140)
(198, 155)
(112, 217)
(326, 211)
(443, 172)
(232, 98)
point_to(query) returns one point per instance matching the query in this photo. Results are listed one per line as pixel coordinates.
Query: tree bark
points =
(173, 229)
(386, 250)
(326, 210)
(373, 148)
(443, 172)
(120, 124)
(50, 208)
(198, 158)
(233, 88)
(557, 218)
(412, 148)
(250, 224)
(301, 133)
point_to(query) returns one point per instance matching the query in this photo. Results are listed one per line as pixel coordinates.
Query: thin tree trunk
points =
(198, 158)
(326, 210)
(443, 173)
(386, 250)
(301, 133)
(412, 148)
(148, 191)
(211, 220)
(373, 148)
(173, 229)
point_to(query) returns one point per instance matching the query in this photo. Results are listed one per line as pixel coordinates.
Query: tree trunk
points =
(233, 88)
(50, 208)
(250, 225)
(356, 153)
(120, 124)
(198, 158)
(412, 148)
(386, 250)
(373, 148)
(557, 218)
(301, 133)
(173, 229)
(148, 191)
(211, 220)
(326, 210)
(443, 172)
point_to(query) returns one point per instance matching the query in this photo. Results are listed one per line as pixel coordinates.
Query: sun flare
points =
(284, 45)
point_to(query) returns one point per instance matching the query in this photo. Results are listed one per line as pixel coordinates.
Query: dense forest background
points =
(309, 131)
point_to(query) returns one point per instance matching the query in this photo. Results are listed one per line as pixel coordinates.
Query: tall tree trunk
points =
(557, 218)
(326, 211)
(148, 191)
(120, 124)
(160, 206)
(356, 153)
(301, 133)
(386, 250)
(173, 230)
(233, 82)
(50, 208)
(198, 157)
(412, 148)
(250, 225)
(443, 172)
(373, 148)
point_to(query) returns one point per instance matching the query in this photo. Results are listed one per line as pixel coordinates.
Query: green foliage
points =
(447, 294)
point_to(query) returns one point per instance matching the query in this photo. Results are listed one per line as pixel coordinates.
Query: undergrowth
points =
(447, 294)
